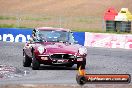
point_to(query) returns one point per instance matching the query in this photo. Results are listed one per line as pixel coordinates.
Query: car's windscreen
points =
(55, 36)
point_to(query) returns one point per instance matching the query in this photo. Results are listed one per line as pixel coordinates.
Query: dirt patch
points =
(64, 13)
(61, 7)
(11, 72)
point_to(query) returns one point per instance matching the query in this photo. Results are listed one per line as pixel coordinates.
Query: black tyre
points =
(35, 64)
(26, 60)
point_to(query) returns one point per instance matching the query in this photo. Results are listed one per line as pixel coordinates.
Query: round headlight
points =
(83, 50)
(41, 49)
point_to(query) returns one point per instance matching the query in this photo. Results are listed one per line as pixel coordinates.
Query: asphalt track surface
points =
(99, 61)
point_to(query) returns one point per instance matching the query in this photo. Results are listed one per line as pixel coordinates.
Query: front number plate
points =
(60, 61)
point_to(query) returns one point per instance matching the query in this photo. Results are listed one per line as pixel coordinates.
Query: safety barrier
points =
(24, 34)
(15, 34)
(108, 40)
(83, 38)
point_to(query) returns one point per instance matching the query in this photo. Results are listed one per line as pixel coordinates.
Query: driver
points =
(62, 37)
(33, 37)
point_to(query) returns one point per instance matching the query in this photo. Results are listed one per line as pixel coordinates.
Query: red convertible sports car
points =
(53, 46)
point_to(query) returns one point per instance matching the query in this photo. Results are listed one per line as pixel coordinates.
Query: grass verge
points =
(7, 18)
(11, 26)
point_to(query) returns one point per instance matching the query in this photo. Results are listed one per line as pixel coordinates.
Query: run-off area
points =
(99, 61)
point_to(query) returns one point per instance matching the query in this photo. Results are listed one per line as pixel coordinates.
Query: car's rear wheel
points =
(26, 60)
(35, 64)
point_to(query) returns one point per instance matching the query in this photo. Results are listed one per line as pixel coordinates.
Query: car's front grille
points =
(62, 56)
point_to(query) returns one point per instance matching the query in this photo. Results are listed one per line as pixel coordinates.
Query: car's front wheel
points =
(35, 64)
(26, 60)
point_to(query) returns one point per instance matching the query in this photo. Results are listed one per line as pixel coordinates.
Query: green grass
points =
(37, 19)
(87, 30)
(11, 26)
(77, 30)
(25, 18)
(7, 18)
(80, 20)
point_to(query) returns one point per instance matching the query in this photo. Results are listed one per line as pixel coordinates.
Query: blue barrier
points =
(23, 35)
(80, 37)
(15, 34)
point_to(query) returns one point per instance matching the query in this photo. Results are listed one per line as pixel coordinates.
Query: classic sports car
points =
(53, 46)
